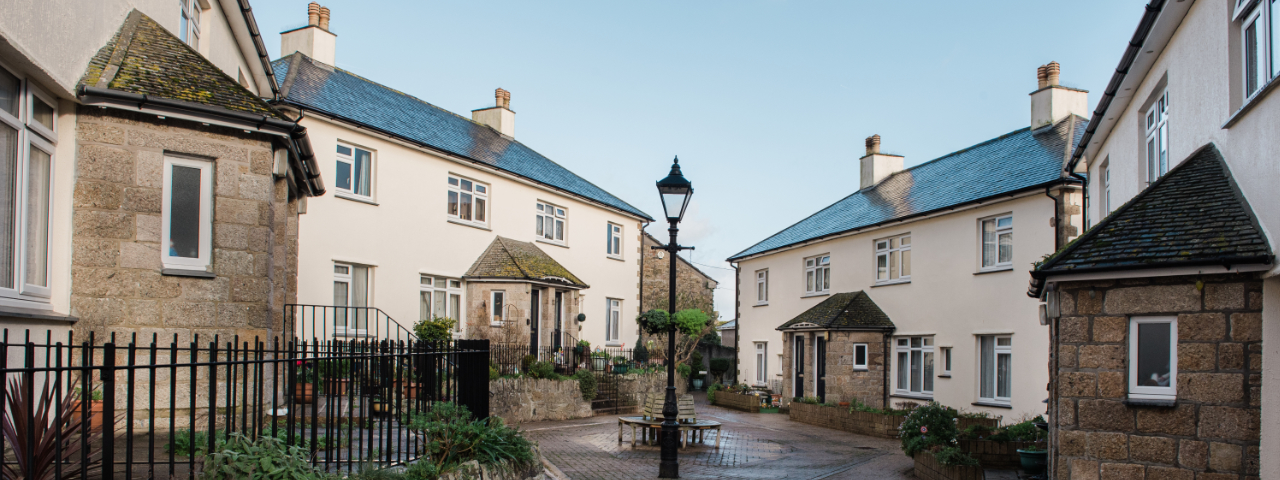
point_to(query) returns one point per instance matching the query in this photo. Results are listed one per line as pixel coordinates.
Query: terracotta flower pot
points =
(95, 414)
(304, 393)
(337, 387)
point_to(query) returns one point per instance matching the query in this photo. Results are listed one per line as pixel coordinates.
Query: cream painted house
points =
(908, 289)
(424, 201)
(1181, 157)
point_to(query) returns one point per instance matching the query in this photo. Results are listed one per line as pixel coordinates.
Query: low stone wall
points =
(994, 454)
(928, 468)
(473, 469)
(736, 401)
(840, 418)
(966, 422)
(631, 386)
(520, 400)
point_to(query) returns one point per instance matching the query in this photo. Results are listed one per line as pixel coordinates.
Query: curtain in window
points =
(38, 218)
(424, 305)
(363, 161)
(988, 243)
(1006, 247)
(340, 291)
(903, 370)
(360, 295)
(441, 309)
(987, 347)
(8, 185)
(1002, 375)
(928, 371)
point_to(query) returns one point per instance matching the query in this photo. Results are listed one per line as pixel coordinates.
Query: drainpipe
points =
(884, 365)
(737, 320)
(1057, 207)
(1084, 192)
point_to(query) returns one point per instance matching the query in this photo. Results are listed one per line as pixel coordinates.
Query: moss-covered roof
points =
(843, 311)
(514, 260)
(145, 59)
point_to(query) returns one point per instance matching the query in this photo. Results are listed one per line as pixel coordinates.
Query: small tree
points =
(435, 330)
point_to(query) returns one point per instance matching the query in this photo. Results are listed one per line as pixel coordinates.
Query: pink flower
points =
(924, 429)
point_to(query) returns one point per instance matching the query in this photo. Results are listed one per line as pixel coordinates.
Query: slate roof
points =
(844, 311)
(337, 92)
(1194, 215)
(1016, 161)
(521, 261)
(144, 58)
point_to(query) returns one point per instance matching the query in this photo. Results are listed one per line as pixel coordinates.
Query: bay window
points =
(995, 361)
(893, 259)
(1153, 358)
(27, 136)
(550, 221)
(915, 365)
(817, 275)
(997, 243)
(468, 201)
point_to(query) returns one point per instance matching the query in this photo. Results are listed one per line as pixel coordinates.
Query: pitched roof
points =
(145, 59)
(843, 311)
(514, 260)
(1016, 161)
(337, 92)
(1194, 215)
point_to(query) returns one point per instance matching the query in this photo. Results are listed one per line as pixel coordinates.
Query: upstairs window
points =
(1157, 123)
(997, 243)
(893, 259)
(355, 171)
(613, 240)
(762, 287)
(468, 201)
(1106, 189)
(817, 275)
(27, 136)
(1258, 43)
(186, 223)
(550, 222)
(189, 29)
(1153, 358)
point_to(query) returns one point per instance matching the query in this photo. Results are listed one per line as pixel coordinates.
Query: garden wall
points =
(994, 454)
(929, 469)
(504, 471)
(632, 386)
(840, 418)
(736, 401)
(520, 400)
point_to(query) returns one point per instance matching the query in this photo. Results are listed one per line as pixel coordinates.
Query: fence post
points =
(108, 411)
(473, 376)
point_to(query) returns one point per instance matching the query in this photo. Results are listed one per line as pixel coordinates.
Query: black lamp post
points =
(675, 191)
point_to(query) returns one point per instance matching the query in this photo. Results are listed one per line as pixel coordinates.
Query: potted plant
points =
(599, 360)
(409, 383)
(94, 401)
(1033, 458)
(620, 364)
(582, 347)
(697, 381)
(304, 389)
(336, 375)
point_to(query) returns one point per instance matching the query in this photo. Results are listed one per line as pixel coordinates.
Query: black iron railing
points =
(152, 408)
(328, 322)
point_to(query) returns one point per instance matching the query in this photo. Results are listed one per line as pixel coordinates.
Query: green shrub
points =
(494, 374)
(684, 370)
(696, 361)
(526, 363)
(810, 400)
(719, 366)
(640, 354)
(267, 458)
(926, 426)
(435, 330)
(711, 392)
(954, 457)
(976, 432)
(586, 383)
(1019, 432)
(453, 438)
(545, 370)
(186, 443)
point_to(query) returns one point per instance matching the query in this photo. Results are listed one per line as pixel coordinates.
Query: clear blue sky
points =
(767, 103)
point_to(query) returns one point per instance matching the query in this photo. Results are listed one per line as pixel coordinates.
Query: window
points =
(355, 171)
(946, 361)
(27, 122)
(350, 290)
(859, 356)
(613, 242)
(997, 243)
(1258, 42)
(762, 364)
(550, 223)
(915, 365)
(189, 30)
(762, 287)
(187, 220)
(1157, 122)
(893, 259)
(612, 320)
(817, 275)
(1153, 358)
(441, 297)
(1106, 189)
(468, 201)
(996, 356)
(497, 304)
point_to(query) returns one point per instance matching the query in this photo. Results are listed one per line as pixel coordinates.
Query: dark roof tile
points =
(515, 260)
(851, 310)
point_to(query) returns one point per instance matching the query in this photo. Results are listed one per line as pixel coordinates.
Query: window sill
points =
(890, 283)
(612, 344)
(495, 325)
(861, 369)
(469, 224)
(615, 257)
(765, 304)
(1151, 402)
(992, 405)
(913, 396)
(945, 375)
(548, 242)
(355, 198)
(180, 272)
(35, 314)
(994, 270)
(823, 294)
(1248, 105)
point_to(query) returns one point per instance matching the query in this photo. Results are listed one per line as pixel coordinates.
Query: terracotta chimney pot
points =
(502, 98)
(1052, 71)
(313, 14)
(324, 18)
(1042, 77)
(873, 144)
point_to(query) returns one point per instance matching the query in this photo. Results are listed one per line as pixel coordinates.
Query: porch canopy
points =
(515, 261)
(841, 311)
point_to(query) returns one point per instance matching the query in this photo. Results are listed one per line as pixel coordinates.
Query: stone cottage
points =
(839, 345)
(514, 283)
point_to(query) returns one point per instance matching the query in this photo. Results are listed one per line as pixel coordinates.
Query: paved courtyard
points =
(755, 446)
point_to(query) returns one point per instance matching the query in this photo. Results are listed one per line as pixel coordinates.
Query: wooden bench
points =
(689, 432)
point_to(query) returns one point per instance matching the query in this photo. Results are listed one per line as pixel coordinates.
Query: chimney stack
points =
(1052, 102)
(499, 117)
(877, 166)
(314, 40)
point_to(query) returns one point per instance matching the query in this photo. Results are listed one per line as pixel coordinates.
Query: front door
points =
(798, 381)
(820, 368)
(535, 317)
(555, 340)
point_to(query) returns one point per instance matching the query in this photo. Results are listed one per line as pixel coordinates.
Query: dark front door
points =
(555, 340)
(820, 368)
(799, 360)
(535, 317)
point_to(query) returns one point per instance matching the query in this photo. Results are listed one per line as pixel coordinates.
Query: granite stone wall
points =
(844, 383)
(521, 400)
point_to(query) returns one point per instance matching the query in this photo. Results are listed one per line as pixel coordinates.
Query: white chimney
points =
(1052, 102)
(877, 166)
(314, 40)
(499, 117)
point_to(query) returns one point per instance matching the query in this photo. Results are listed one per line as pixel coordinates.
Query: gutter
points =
(302, 158)
(247, 12)
(1126, 61)
(1039, 278)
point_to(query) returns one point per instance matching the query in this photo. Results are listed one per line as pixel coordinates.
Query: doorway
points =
(820, 368)
(535, 317)
(798, 380)
(558, 334)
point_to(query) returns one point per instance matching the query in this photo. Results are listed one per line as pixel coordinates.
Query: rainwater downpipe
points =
(1084, 192)
(884, 365)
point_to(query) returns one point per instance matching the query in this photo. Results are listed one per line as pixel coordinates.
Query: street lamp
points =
(675, 191)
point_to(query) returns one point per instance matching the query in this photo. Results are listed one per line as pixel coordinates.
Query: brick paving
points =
(755, 446)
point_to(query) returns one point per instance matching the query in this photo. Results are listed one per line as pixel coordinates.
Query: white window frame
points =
(1262, 14)
(500, 318)
(762, 363)
(350, 160)
(191, 11)
(354, 314)
(865, 356)
(555, 216)
(817, 274)
(1137, 391)
(762, 286)
(201, 262)
(447, 288)
(1156, 146)
(612, 321)
(944, 356)
(31, 135)
(997, 231)
(895, 253)
(36, 93)
(458, 186)
(925, 348)
(1106, 188)
(613, 240)
(998, 350)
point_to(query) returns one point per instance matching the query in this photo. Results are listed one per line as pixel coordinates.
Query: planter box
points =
(963, 423)
(929, 469)
(737, 401)
(994, 454)
(840, 418)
